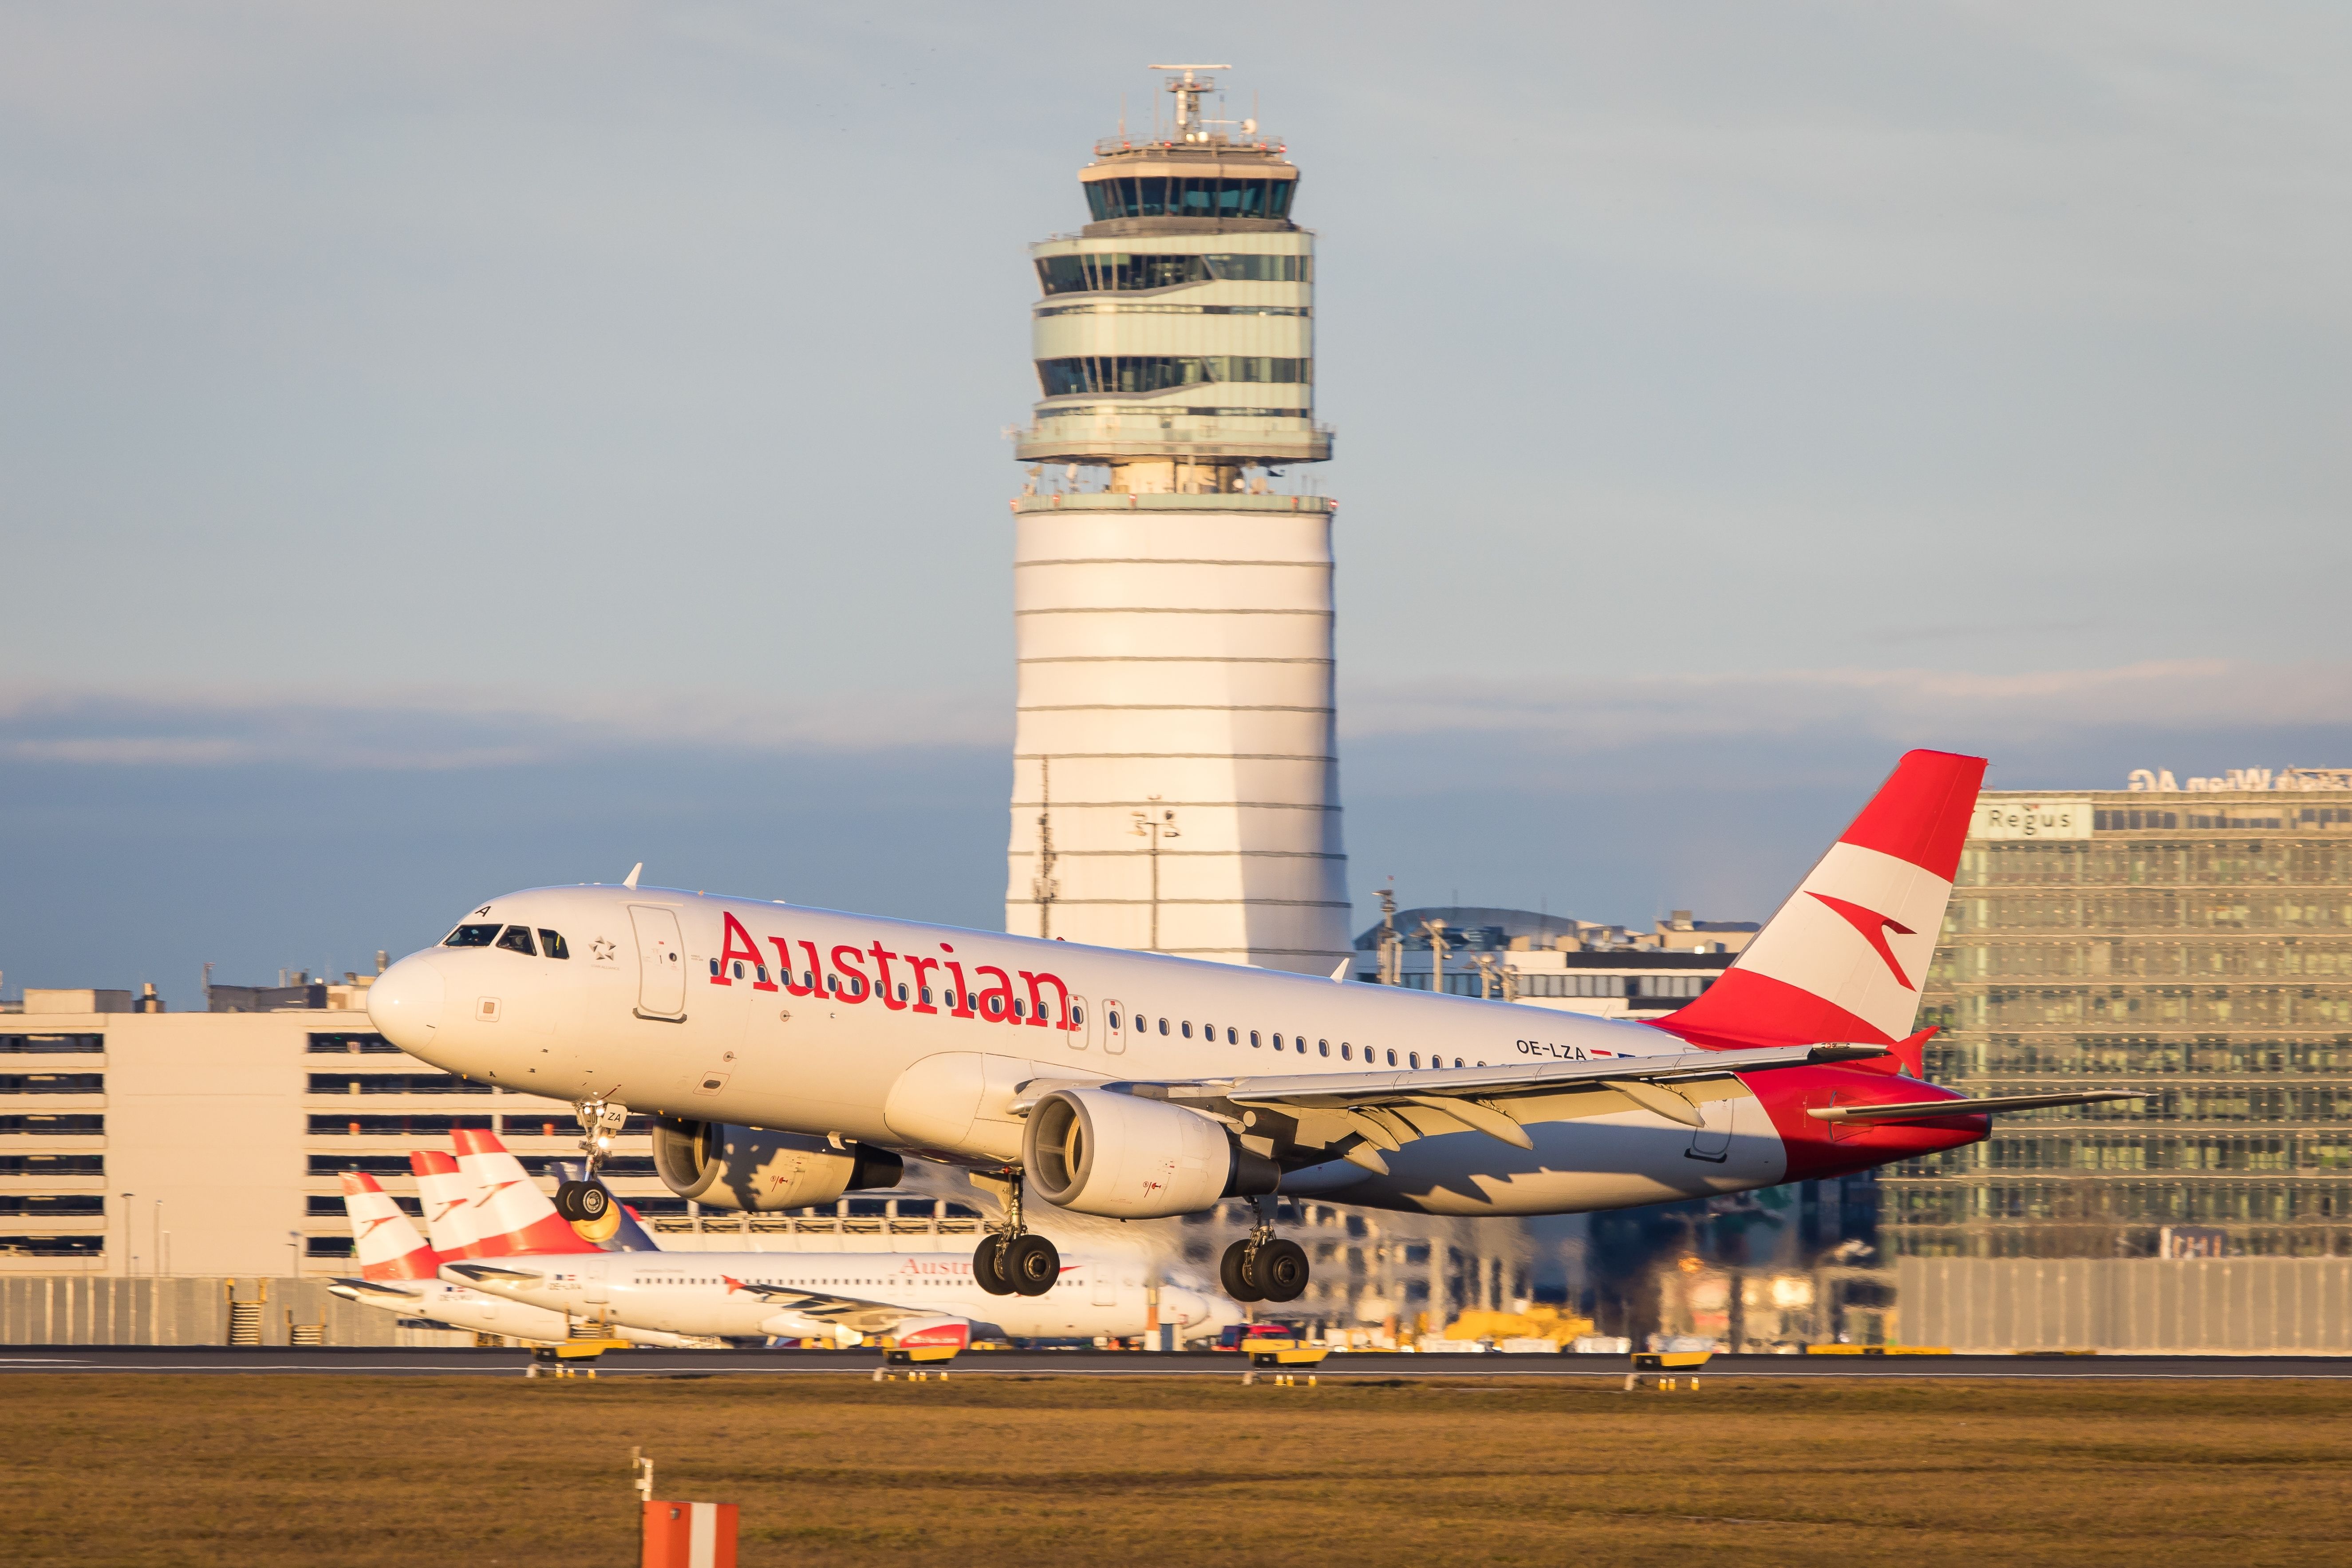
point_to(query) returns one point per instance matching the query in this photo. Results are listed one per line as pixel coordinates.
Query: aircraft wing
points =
(865, 1317)
(1356, 1115)
(1928, 1110)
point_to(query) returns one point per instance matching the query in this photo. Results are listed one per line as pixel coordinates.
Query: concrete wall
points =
(2218, 1305)
(98, 1310)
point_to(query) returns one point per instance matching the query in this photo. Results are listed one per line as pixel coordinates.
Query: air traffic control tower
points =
(1175, 777)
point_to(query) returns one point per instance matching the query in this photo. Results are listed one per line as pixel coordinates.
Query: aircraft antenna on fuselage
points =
(630, 881)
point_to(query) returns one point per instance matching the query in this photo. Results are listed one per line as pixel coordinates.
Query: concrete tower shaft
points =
(1176, 777)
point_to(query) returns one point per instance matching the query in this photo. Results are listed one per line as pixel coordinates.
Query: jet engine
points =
(726, 1166)
(1102, 1153)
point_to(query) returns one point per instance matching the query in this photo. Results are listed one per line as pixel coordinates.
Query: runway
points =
(474, 1362)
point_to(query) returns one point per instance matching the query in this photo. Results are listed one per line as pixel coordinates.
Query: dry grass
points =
(263, 1470)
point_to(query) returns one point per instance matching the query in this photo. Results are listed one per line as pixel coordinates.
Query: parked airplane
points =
(819, 1294)
(791, 1053)
(398, 1274)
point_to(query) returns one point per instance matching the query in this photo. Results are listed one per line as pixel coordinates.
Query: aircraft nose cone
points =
(407, 1001)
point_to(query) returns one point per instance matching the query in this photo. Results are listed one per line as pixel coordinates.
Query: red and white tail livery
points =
(1844, 959)
(447, 1194)
(389, 1247)
(511, 1215)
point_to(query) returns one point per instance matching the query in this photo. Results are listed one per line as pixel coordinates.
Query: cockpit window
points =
(471, 936)
(551, 943)
(518, 940)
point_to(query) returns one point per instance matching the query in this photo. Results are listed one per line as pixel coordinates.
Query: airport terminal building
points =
(2196, 943)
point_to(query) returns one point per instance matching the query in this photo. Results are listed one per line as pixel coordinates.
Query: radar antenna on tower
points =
(1188, 90)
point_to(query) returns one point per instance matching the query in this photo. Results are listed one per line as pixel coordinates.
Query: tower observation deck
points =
(1176, 776)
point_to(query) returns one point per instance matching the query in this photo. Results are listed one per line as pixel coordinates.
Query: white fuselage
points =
(662, 1007)
(705, 1292)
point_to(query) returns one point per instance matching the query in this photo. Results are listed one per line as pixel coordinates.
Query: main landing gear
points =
(600, 1120)
(1011, 1260)
(1264, 1267)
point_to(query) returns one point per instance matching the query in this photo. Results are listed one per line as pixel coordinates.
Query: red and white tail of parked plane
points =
(511, 1215)
(388, 1245)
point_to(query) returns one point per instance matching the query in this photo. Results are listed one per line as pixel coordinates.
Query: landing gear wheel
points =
(987, 1267)
(591, 1203)
(567, 1200)
(1233, 1274)
(1280, 1270)
(1032, 1265)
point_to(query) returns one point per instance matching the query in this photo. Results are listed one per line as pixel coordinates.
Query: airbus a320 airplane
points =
(791, 1054)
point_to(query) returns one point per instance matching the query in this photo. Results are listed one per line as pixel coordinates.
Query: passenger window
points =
(518, 940)
(1391, 1058)
(927, 995)
(1019, 1009)
(1253, 1044)
(1277, 1042)
(551, 942)
(1188, 1028)
(739, 969)
(761, 970)
(1347, 1052)
(471, 936)
(1322, 1047)
(1079, 1014)
(1299, 1043)
(1416, 1058)
(1233, 1036)
(1163, 1025)
(1114, 1017)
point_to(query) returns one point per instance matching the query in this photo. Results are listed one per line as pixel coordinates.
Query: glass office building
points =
(2196, 944)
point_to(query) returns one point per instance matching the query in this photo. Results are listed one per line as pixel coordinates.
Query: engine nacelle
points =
(1102, 1153)
(733, 1167)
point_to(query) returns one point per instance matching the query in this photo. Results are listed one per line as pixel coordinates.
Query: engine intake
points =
(1102, 1152)
(726, 1166)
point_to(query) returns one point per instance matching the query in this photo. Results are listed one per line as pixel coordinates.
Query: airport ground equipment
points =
(1667, 1371)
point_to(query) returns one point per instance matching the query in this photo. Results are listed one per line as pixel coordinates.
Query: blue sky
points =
(443, 447)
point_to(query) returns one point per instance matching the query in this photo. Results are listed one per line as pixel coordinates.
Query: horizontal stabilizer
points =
(1932, 1109)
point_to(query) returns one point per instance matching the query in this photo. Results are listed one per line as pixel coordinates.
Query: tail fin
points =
(389, 1247)
(448, 1198)
(1844, 958)
(514, 1215)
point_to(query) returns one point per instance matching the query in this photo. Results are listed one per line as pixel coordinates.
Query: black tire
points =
(986, 1260)
(591, 1201)
(567, 1199)
(1033, 1265)
(1233, 1274)
(1280, 1270)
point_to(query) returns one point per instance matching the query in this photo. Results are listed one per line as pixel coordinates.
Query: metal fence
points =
(2243, 1306)
(98, 1310)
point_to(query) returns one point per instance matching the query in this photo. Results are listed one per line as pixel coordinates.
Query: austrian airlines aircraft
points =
(817, 1294)
(791, 1053)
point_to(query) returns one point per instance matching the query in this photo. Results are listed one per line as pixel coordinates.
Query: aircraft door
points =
(1114, 1027)
(661, 962)
(1106, 1285)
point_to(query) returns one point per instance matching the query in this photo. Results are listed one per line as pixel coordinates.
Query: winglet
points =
(1342, 973)
(630, 881)
(1907, 1056)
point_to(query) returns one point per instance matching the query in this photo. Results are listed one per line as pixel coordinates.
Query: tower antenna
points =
(1187, 91)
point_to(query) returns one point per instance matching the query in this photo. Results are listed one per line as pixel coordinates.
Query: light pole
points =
(1155, 824)
(1435, 931)
(1391, 945)
(294, 1250)
(130, 1246)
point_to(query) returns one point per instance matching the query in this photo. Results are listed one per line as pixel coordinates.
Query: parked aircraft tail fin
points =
(447, 1194)
(514, 1216)
(388, 1244)
(1842, 961)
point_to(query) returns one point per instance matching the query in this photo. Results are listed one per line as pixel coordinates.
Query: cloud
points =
(1563, 714)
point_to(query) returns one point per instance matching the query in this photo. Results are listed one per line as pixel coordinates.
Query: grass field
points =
(135, 1469)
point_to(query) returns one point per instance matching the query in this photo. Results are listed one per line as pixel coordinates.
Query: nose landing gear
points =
(1013, 1260)
(1264, 1267)
(600, 1121)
